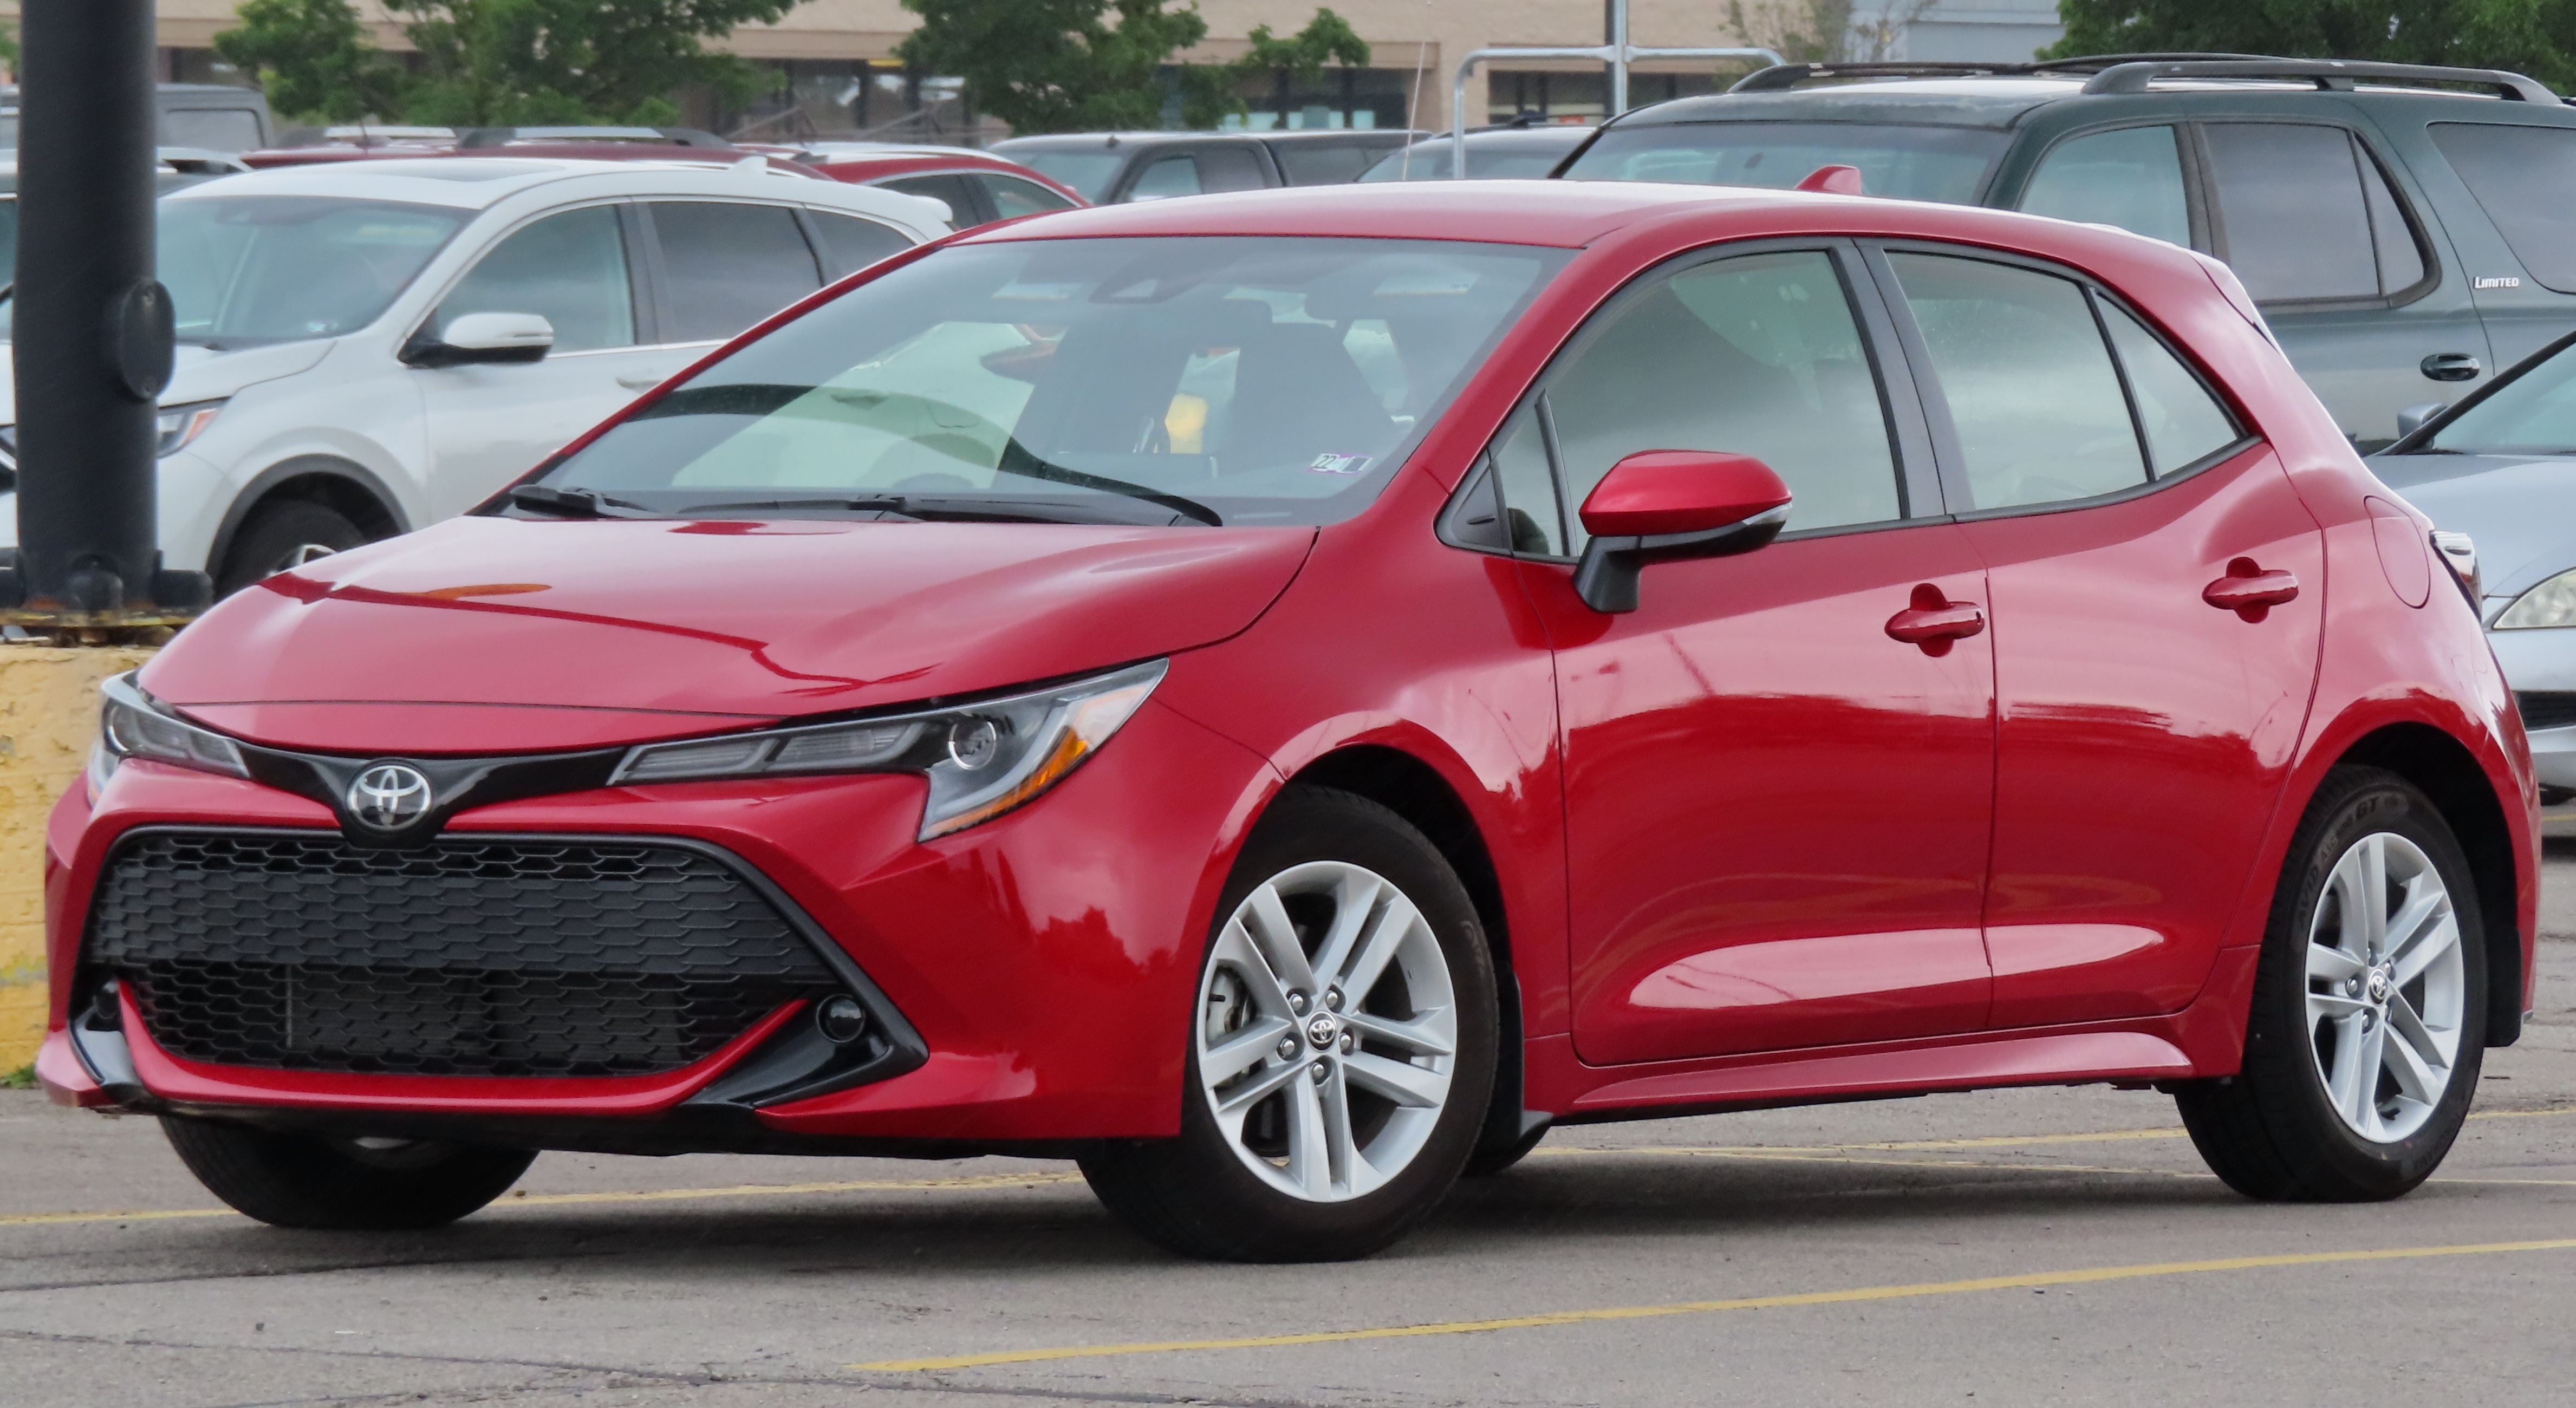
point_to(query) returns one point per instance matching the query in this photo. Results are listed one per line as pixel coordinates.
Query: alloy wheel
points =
(2386, 987)
(1327, 1031)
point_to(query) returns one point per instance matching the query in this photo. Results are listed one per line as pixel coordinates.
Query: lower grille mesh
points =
(2547, 709)
(506, 956)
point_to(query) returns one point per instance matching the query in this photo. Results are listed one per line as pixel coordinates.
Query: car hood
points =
(624, 630)
(197, 373)
(2520, 510)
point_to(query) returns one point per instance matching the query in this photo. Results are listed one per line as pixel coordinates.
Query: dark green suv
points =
(2406, 230)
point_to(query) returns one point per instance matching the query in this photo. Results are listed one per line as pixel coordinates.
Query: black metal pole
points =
(92, 325)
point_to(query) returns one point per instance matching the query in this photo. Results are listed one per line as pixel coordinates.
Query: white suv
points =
(369, 346)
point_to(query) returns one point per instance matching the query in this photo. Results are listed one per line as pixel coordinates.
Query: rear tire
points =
(307, 1181)
(2368, 1025)
(284, 535)
(1303, 1147)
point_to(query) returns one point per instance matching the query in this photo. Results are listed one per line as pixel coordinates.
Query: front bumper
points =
(1045, 960)
(2542, 662)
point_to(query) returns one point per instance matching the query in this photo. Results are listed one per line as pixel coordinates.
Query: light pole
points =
(92, 329)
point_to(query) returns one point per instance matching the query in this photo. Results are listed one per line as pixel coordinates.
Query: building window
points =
(1341, 97)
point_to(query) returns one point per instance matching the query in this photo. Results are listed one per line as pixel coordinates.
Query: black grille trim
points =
(2546, 708)
(479, 954)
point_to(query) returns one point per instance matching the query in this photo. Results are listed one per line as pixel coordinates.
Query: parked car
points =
(1495, 154)
(203, 116)
(378, 345)
(2497, 473)
(174, 168)
(2400, 235)
(1110, 168)
(1283, 718)
(977, 188)
(407, 149)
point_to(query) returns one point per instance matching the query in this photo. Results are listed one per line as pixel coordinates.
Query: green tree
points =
(496, 62)
(2537, 37)
(1089, 65)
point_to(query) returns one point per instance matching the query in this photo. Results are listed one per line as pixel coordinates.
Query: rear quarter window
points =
(2524, 178)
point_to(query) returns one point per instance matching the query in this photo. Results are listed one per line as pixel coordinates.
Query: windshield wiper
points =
(916, 508)
(573, 503)
(887, 505)
(1017, 460)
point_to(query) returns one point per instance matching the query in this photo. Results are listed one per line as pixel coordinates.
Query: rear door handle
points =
(2451, 366)
(1933, 621)
(2250, 591)
(639, 381)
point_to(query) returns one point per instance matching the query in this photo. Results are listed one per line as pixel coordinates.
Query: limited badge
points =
(1339, 464)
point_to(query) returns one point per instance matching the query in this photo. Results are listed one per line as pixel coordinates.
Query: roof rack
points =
(1782, 77)
(2333, 75)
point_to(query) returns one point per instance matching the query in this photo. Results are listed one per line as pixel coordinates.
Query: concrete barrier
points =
(48, 720)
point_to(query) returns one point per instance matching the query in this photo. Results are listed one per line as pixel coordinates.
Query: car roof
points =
(1391, 135)
(1950, 102)
(482, 182)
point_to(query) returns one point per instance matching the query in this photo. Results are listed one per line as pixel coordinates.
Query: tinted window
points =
(569, 269)
(1088, 171)
(1273, 380)
(1232, 169)
(727, 266)
(249, 269)
(1320, 163)
(951, 191)
(2032, 394)
(1532, 518)
(851, 244)
(2535, 413)
(1756, 355)
(2131, 178)
(217, 129)
(1013, 197)
(2182, 421)
(2295, 213)
(1487, 159)
(2525, 180)
(1167, 177)
(1915, 163)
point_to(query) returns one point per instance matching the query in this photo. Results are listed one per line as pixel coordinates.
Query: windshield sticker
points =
(1329, 463)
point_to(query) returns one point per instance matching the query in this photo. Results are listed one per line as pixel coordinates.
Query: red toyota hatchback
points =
(1283, 697)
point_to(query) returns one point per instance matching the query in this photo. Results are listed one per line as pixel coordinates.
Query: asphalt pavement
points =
(2041, 1247)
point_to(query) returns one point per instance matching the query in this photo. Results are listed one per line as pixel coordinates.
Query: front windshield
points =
(2534, 414)
(1254, 380)
(244, 270)
(1088, 172)
(1906, 162)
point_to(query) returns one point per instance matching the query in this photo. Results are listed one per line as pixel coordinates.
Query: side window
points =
(1320, 163)
(726, 266)
(2131, 178)
(951, 191)
(2296, 208)
(1013, 197)
(1532, 520)
(1167, 177)
(1757, 355)
(568, 268)
(2032, 393)
(2183, 423)
(1231, 169)
(2524, 178)
(851, 244)
(219, 129)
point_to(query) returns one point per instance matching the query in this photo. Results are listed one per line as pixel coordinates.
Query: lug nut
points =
(1287, 1048)
(1350, 1043)
(1319, 1071)
(1297, 1003)
(1333, 998)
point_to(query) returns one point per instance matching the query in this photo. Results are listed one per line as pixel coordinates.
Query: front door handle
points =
(1933, 621)
(2249, 591)
(640, 381)
(2451, 366)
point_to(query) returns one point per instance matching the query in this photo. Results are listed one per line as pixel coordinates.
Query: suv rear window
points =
(2304, 213)
(1908, 162)
(2525, 180)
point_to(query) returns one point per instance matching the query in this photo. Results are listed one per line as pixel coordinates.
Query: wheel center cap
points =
(2378, 987)
(1321, 1029)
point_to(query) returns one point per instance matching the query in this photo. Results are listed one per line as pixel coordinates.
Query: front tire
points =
(1341, 1051)
(349, 1185)
(283, 535)
(2368, 1025)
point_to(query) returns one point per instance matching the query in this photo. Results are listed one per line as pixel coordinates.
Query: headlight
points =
(179, 425)
(133, 724)
(2552, 603)
(982, 759)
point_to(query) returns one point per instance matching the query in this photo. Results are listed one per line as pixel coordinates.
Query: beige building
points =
(837, 74)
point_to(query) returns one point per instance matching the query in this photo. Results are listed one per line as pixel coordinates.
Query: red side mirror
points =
(1654, 492)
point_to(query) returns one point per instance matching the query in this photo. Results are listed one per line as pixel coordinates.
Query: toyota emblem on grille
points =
(389, 797)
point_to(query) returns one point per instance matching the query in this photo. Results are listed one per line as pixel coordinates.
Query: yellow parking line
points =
(2035, 1280)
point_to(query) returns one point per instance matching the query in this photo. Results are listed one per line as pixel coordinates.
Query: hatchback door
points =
(2157, 591)
(1776, 812)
